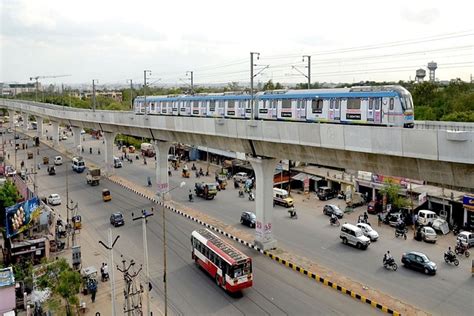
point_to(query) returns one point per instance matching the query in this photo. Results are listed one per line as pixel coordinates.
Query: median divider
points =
(285, 262)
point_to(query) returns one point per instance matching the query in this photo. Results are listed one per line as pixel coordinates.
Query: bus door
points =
(370, 110)
(377, 103)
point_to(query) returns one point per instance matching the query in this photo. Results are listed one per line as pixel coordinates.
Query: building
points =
(12, 89)
(7, 292)
(115, 95)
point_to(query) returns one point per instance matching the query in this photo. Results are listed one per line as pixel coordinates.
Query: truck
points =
(147, 150)
(205, 190)
(93, 176)
(354, 199)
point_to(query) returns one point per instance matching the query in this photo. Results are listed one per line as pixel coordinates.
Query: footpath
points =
(94, 256)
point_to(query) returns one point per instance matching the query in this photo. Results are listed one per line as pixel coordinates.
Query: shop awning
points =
(301, 176)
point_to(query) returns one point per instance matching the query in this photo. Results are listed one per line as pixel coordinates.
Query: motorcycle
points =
(341, 196)
(292, 213)
(241, 193)
(400, 233)
(105, 277)
(455, 230)
(461, 249)
(451, 258)
(251, 196)
(390, 264)
(334, 221)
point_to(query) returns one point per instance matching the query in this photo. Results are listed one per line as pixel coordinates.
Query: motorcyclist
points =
(450, 253)
(241, 191)
(190, 195)
(333, 218)
(292, 211)
(387, 258)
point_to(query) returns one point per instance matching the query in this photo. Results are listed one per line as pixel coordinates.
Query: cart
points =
(77, 222)
(89, 276)
(46, 160)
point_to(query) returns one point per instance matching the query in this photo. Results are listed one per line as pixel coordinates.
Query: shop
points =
(468, 205)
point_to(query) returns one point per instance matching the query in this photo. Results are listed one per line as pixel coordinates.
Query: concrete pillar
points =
(109, 152)
(39, 130)
(11, 114)
(55, 132)
(25, 121)
(264, 170)
(162, 184)
(76, 132)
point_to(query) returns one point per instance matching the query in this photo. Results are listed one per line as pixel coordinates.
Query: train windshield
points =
(406, 101)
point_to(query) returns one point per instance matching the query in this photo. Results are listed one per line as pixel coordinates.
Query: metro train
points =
(366, 105)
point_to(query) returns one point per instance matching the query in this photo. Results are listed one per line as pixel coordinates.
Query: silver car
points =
(428, 234)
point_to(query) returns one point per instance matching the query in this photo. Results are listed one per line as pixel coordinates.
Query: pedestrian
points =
(152, 209)
(8, 156)
(379, 217)
(93, 293)
(98, 151)
(366, 217)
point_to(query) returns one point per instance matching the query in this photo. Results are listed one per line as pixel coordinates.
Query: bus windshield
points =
(241, 269)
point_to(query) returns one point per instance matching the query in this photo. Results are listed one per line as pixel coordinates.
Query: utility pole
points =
(252, 105)
(145, 246)
(192, 80)
(131, 93)
(94, 81)
(309, 69)
(131, 305)
(144, 88)
(67, 207)
(110, 247)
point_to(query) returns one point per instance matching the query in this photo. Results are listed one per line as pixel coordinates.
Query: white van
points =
(351, 234)
(426, 217)
(78, 164)
(58, 160)
(117, 163)
(281, 196)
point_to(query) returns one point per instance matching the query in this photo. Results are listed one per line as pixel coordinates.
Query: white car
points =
(240, 177)
(54, 199)
(58, 160)
(368, 231)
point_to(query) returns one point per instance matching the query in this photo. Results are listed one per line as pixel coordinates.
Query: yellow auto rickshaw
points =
(77, 222)
(131, 149)
(106, 195)
(46, 160)
(30, 155)
(185, 173)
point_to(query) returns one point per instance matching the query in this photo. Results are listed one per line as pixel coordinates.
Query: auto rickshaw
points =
(45, 160)
(222, 181)
(51, 170)
(77, 222)
(30, 155)
(131, 149)
(185, 172)
(106, 195)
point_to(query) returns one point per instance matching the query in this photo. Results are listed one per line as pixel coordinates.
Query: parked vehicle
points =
(117, 163)
(30, 155)
(281, 197)
(116, 219)
(248, 218)
(393, 219)
(426, 234)
(78, 164)
(93, 176)
(461, 249)
(440, 225)
(54, 199)
(326, 193)
(355, 199)
(467, 238)
(368, 231)
(419, 261)
(330, 209)
(58, 160)
(205, 190)
(426, 217)
(351, 234)
(374, 207)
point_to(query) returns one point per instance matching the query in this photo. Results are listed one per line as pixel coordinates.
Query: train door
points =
(300, 110)
(241, 109)
(337, 109)
(230, 109)
(370, 110)
(203, 107)
(377, 110)
(272, 109)
(220, 108)
(391, 111)
(332, 105)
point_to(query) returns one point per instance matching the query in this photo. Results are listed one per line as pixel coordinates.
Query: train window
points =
(317, 105)
(371, 104)
(286, 104)
(274, 104)
(221, 104)
(377, 104)
(212, 105)
(392, 103)
(338, 103)
(353, 103)
(331, 104)
(231, 104)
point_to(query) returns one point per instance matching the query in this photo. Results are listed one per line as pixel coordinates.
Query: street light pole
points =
(144, 87)
(182, 184)
(110, 248)
(131, 93)
(94, 81)
(252, 106)
(192, 81)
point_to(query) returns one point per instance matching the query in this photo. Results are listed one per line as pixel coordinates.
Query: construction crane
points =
(44, 77)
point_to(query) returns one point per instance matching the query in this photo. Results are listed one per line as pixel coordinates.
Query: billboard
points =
(19, 216)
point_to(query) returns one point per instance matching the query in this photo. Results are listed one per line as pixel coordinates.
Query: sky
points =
(349, 41)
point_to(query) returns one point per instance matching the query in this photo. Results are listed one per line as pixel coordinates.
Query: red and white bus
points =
(231, 268)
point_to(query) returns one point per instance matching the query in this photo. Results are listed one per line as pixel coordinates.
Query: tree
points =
(8, 197)
(392, 193)
(63, 281)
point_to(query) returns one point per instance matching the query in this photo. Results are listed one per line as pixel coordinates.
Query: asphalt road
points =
(449, 292)
(276, 289)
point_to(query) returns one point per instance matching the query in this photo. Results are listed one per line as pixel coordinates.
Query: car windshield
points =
(358, 233)
(118, 216)
(424, 258)
(430, 230)
(252, 216)
(336, 209)
(212, 187)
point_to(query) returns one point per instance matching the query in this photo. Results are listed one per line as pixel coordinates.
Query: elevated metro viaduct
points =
(436, 155)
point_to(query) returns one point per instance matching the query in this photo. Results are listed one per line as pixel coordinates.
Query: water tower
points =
(420, 75)
(432, 67)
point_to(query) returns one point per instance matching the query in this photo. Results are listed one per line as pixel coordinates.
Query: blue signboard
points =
(19, 216)
(468, 201)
